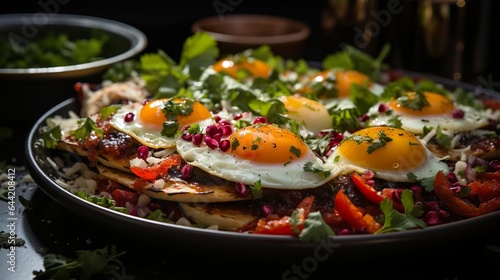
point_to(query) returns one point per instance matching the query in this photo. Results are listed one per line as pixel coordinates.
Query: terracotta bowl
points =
(235, 33)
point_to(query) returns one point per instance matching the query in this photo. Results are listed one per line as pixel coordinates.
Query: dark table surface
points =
(49, 227)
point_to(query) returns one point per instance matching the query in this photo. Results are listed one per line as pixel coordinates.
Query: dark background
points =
(167, 24)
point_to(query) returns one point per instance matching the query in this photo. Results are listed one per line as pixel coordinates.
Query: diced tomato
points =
(121, 197)
(284, 226)
(486, 189)
(152, 172)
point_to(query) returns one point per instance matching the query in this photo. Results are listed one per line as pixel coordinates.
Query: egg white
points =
(147, 134)
(232, 168)
(472, 120)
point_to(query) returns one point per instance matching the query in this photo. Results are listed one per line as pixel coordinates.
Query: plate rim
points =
(349, 244)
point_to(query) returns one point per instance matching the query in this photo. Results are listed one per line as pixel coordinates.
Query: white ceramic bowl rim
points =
(303, 31)
(137, 38)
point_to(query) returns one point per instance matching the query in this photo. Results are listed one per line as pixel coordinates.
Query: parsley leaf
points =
(86, 129)
(256, 189)
(396, 221)
(86, 265)
(379, 143)
(51, 137)
(315, 228)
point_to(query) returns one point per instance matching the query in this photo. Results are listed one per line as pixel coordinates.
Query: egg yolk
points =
(152, 113)
(438, 105)
(231, 66)
(344, 80)
(383, 148)
(267, 143)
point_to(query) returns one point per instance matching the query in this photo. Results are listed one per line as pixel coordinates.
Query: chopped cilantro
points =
(295, 151)
(51, 137)
(86, 265)
(379, 143)
(256, 190)
(396, 221)
(86, 129)
(315, 228)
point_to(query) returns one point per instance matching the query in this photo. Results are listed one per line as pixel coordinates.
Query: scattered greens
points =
(51, 50)
(87, 264)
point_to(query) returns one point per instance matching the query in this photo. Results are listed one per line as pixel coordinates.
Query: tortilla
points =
(226, 218)
(122, 164)
(175, 189)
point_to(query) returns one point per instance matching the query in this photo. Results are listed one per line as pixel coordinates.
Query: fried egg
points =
(144, 122)
(261, 152)
(441, 111)
(312, 114)
(336, 84)
(392, 154)
(242, 67)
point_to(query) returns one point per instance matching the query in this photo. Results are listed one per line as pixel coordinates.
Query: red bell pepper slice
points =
(372, 194)
(489, 175)
(461, 207)
(355, 216)
(284, 226)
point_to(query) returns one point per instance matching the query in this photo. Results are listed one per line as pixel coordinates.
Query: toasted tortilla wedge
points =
(122, 164)
(226, 218)
(174, 189)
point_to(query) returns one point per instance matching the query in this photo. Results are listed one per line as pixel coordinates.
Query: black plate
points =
(175, 237)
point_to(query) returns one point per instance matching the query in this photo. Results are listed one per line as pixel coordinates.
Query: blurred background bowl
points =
(40, 88)
(235, 33)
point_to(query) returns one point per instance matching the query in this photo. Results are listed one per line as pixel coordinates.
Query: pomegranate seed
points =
(224, 123)
(368, 175)
(416, 189)
(364, 118)
(494, 165)
(237, 116)
(186, 171)
(129, 117)
(444, 214)
(397, 194)
(217, 119)
(260, 120)
(197, 139)
(458, 114)
(187, 136)
(382, 108)
(226, 130)
(267, 210)
(452, 177)
(224, 145)
(241, 189)
(211, 130)
(143, 152)
(344, 231)
(212, 143)
(431, 218)
(432, 205)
